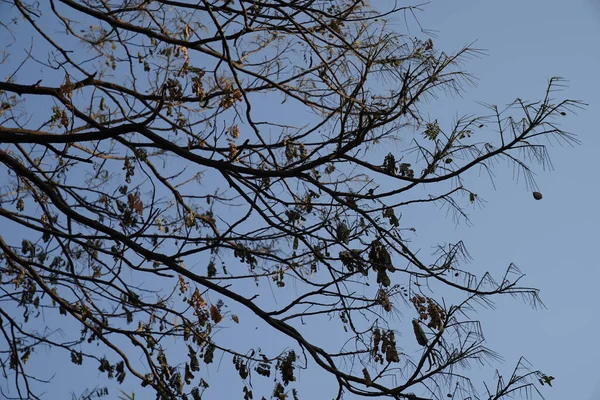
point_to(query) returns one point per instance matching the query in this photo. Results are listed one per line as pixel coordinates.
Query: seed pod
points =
(419, 334)
(537, 195)
(367, 377)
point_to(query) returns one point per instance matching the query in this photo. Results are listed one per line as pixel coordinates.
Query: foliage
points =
(180, 165)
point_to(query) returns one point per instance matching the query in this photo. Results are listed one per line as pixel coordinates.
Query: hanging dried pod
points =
(419, 334)
(537, 195)
(367, 377)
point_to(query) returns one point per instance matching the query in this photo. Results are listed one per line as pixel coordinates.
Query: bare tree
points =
(172, 166)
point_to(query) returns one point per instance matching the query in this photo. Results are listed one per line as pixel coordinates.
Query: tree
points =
(189, 171)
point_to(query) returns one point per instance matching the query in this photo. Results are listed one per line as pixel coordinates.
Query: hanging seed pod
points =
(384, 300)
(537, 195)
(343, 233)
(367, 377)
(419, 334)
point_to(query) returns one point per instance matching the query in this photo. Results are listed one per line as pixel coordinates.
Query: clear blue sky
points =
(553, 241)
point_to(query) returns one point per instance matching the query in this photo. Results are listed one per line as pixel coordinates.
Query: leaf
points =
(126, 396)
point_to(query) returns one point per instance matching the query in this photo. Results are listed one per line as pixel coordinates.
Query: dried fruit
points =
(537, 195)
(419, 334)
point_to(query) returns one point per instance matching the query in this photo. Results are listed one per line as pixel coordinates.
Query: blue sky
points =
(553, 240)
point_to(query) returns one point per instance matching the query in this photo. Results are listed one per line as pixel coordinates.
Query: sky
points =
(553, 240)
